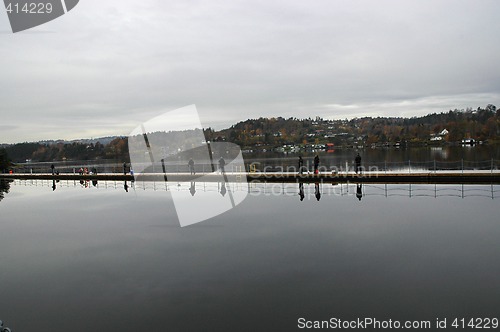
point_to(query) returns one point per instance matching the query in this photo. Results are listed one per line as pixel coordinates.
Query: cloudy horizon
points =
(104, 68)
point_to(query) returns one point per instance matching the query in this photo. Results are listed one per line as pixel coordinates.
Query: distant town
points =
(469, 126)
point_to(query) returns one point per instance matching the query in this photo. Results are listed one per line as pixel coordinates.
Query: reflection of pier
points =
(301, 191)
(429, 177)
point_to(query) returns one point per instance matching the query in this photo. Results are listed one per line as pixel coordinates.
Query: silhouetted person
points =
(357, 160)
(316, 164)
(52, 167)
(222, 163)
(124, 168)
(94, 170)
(54, 187)
(301, 191)
(223, 189)
(316, 191)
(301, 164)
(191, 166)
(192, 190)
(359, 191)
(125, 186)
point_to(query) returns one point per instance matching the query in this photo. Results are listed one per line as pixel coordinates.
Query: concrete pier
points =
(431, 177)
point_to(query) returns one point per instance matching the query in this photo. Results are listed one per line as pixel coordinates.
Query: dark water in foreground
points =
(97, 259)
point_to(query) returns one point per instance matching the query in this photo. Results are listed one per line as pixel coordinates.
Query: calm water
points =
(103, 259)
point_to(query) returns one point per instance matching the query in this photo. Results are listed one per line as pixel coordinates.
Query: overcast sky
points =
(107, 66)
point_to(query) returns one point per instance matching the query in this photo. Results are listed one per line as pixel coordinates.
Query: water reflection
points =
(317, 192)
(359, 191)
(223, 189)
(301, 191)
(268, 251)
(192, 189)
(4, 188)
(306, 191)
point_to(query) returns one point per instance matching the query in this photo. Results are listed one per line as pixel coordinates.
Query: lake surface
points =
(85, 258)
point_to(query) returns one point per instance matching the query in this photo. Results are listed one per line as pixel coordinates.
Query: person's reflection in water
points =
(223, 189)
(94, 183)
(125, 186)
(316, 191)
(54, 187)
(301, 191)
(359, 191)
(192, 190)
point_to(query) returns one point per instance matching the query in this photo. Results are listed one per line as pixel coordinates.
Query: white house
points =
(443, 132)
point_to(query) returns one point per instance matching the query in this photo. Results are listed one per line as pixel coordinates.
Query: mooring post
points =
(462, 165)
(409, 166)
(491, 165)
(434, 166)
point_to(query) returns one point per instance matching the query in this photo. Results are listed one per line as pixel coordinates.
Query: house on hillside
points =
(439, 136)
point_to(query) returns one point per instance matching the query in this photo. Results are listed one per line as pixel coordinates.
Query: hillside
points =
(482, 124)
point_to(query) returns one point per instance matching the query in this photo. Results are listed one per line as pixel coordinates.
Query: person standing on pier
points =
(191, 166)
(52, 167)
(124, 168)
(357, 160)
(301, 164)
(222, 163)
(316, 164)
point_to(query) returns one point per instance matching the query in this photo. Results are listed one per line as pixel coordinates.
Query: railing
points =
(410, 166)
(272, 165)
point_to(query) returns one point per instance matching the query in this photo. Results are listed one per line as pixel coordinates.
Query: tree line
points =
(482, 124)
(117, 149)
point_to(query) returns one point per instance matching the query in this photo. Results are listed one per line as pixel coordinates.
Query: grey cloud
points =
(117, 62)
